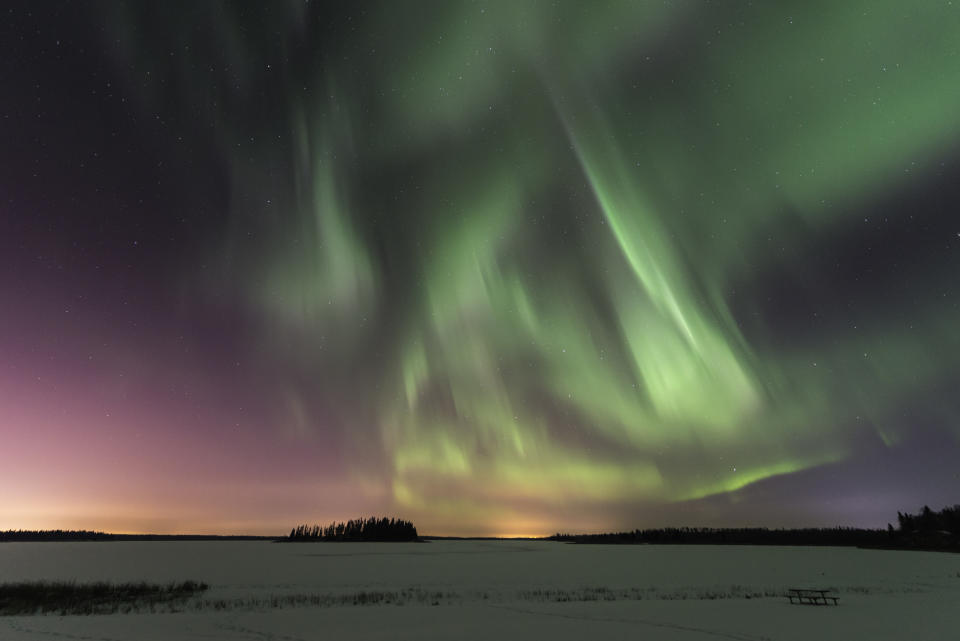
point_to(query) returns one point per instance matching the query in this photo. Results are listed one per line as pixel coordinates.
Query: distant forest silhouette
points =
(371, 529)
(929, 529)
(843, 536)
(89, 535)
(926, 530)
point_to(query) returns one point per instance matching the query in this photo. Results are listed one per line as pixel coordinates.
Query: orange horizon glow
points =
(265, 532)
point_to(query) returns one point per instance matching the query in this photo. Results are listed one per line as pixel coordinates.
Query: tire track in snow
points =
(60, 635)
(236, 627)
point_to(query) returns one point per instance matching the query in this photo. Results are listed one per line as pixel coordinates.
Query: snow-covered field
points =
(498, 590)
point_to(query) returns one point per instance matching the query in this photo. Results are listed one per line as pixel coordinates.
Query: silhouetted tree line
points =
(372, 529)
(842, 536)
(927, 521)
(87, 535)
(54, 535)
(927, 530)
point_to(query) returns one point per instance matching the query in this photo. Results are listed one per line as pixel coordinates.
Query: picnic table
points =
(811, 596)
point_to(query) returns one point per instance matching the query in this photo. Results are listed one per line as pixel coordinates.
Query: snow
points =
(501, 590)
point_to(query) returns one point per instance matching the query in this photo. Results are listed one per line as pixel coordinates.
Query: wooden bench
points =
(808, 596)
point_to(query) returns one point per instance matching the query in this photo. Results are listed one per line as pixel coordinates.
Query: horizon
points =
(465, 535)
(514, 536)
(491, 533)
(491, 267)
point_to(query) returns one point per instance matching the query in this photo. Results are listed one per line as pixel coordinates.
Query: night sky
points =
(504, 267)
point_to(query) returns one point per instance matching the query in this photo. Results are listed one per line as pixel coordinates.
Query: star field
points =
(493, 267)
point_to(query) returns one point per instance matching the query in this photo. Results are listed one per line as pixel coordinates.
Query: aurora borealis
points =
(494, 267)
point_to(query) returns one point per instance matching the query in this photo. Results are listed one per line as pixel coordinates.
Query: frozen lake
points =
(500, 589)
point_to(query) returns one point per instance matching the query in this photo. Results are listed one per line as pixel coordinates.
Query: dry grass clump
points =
(62, 597)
